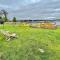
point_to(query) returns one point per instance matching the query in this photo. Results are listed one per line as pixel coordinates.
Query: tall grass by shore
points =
(28, 43)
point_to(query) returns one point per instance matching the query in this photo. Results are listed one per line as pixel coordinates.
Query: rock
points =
(8, 34)
(13, 34)
(41, 50)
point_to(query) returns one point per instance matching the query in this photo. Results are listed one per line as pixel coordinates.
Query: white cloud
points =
(4, 6)
(57, 9)
(9, 7)
(34, 1)
(19, 8)
(55, 0)
(25, 2)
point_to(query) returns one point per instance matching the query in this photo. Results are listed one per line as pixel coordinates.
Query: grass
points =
(26, 46)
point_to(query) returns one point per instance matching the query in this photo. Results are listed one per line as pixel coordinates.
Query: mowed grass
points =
(28, 43)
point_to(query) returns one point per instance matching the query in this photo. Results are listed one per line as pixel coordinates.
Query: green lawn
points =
(28, 43)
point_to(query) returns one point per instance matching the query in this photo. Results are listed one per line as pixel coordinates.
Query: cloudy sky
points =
(31, 8)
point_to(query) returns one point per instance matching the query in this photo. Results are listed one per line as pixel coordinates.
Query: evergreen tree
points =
(14, 19)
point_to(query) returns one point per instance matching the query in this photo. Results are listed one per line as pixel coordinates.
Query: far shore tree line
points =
(3, 16)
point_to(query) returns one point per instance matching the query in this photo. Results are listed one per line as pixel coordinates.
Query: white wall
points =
(57, 22)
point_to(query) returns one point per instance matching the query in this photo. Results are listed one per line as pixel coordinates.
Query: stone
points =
(9, 35)
(41, 50)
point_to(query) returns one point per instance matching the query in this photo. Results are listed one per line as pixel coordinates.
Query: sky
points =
(27, 9)
(16, 4)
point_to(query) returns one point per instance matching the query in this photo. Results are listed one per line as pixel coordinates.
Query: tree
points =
(5, 15)
(0, 17)
(14, 19)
